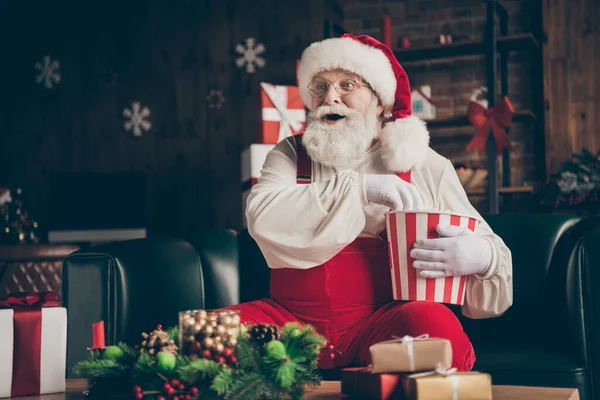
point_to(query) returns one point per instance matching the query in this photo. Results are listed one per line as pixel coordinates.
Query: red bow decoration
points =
(498, 118)
(31, 300)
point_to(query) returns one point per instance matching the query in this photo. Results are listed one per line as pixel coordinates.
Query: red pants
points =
(348, 299)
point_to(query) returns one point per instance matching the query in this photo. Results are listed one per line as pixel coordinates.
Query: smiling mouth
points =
(333, 117)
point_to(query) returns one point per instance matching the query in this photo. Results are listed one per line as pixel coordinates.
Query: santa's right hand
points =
(391, 191)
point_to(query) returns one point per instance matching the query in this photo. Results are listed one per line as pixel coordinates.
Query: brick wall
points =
(422, 21)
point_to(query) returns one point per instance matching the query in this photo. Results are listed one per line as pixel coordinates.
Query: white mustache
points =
(333, 109)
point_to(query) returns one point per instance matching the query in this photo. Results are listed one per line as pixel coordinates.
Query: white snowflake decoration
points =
(215, 98)
(250, 55)
(49, 72)
(137, 119)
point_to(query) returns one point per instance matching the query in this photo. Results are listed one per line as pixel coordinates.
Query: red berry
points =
(171, 392)
(159, 327)
(175, 397)
(175, 382)
(330, 346)
(137, 388)
(166, 387)
(139, 395)
(194, 390)
(181, 387)
(233, 359)
(161, 398)
(220, 360)
(332, 355)
(206, 354)
(227, 352)
(188, 397)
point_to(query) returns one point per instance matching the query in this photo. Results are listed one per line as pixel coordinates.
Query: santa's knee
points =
(436, 320)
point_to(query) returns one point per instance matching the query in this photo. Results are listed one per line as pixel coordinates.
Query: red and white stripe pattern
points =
(403, 230)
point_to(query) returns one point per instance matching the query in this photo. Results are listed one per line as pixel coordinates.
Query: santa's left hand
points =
(458, 251)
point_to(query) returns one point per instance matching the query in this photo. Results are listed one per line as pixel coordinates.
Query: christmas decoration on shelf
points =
(270, 362)
(496, 118)
(16, 226)
(423, 106)
(445, 39)
(49, 72)
(215, 98)
(470, 177)
(250, 55)
(576, 185)
(136, 119)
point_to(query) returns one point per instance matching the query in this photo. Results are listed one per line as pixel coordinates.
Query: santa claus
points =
(317, 212)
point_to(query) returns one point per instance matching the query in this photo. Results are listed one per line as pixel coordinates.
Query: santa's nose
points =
(332, 96)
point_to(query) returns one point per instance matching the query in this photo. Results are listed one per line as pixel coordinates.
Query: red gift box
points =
(364, 384)
(33, 344)
(282, 113)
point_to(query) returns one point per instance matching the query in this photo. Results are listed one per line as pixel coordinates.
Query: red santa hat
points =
(404, 137)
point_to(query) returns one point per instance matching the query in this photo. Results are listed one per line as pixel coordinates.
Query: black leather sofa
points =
(547, 338)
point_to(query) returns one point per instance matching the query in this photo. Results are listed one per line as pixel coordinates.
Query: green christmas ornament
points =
(113, 353)
(165, 361)
(275, 349)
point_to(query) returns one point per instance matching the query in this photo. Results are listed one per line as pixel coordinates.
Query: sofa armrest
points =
(218, 252)
(586, 304)
(132, 285)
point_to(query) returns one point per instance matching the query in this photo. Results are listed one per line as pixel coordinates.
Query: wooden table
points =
(331, 390)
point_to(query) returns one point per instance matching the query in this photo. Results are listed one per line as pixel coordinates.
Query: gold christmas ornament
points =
(207, 333)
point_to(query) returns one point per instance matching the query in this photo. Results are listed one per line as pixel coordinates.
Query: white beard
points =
(343, 144)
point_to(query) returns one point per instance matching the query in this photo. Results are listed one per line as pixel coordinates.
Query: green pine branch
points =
(246, 387)
(96, 369)
(223, 381)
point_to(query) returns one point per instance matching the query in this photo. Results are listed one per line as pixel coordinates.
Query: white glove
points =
(391, 191)
(458, 251)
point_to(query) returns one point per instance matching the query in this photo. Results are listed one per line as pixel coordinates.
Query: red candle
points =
(387, 31)
(98, 335)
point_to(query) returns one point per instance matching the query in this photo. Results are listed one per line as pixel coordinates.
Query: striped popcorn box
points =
(404, 228)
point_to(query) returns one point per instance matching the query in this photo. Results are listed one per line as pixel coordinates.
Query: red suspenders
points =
(303, 164)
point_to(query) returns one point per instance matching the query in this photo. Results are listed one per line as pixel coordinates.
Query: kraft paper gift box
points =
(282, 113)
(442, 384)
(33, 344)
(410, 354)
(252, 161)
(363, 383)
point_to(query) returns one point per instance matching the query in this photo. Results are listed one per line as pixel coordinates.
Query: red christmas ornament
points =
(220, 360)
(197, 345)
(227, 352)
(233, 360)
(206, 354)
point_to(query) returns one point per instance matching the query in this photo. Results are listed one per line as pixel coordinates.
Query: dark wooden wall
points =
(571, 78)
(167, 55)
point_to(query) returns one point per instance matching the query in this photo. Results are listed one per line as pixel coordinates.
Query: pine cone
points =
(155, 342)
(262, 334)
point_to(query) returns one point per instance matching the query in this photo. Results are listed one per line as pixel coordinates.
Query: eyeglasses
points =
(344, 85)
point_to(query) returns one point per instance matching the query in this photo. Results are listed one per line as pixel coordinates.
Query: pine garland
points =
(279, 369)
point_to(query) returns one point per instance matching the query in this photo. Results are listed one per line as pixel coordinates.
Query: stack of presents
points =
(414, 368)
(282, 115)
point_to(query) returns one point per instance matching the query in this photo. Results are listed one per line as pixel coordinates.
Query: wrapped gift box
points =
(410, 354)
(440, 386)
(252, 161)
(33, 345)
(282, 113)
(363, 383)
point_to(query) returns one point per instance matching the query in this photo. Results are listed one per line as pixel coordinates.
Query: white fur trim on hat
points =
(404, 143)
(351, 55)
